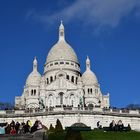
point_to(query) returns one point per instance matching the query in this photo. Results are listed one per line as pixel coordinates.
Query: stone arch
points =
(50, 100)
(71, 99)
(32, 105)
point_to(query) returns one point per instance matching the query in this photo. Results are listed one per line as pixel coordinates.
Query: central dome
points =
(61, 50)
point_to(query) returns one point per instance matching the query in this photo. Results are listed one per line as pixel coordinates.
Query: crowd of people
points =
(20, 128)
(119, 126)
(116, 126)
(113, 126)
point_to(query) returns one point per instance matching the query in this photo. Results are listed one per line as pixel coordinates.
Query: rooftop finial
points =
(61, 32)
(35, 63)
(61, 21)
(87, 63)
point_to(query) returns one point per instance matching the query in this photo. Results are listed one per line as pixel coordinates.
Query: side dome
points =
(34, 77)
(88, 77)
(61, 50)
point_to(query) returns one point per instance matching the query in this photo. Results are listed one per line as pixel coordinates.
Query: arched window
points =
(47, 81)
(34, 92)
(71, 99)
(88, 90)
(76, 80)
(96, 91)
(91, 90)
(61, 98)
(68, 77)
(72, 79)
(50, 100)
(51, 79)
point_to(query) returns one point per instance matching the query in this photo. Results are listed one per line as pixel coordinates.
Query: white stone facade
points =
(62, 84)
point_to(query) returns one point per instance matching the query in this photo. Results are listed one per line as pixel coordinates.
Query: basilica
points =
(62, 84)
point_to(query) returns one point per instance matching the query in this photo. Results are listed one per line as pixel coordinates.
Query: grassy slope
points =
(100, 135)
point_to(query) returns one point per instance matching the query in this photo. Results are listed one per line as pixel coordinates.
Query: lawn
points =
(98, 135)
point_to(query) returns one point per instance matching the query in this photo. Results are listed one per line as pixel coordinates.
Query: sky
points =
(107, 31)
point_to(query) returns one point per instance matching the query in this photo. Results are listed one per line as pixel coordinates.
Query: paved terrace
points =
(95, 111)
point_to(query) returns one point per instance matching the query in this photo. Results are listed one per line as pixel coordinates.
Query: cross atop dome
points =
(61, 32)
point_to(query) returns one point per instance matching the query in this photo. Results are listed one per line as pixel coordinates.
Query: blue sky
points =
(107, 31)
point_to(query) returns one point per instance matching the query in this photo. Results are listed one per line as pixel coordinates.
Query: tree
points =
(58, 126)
(6, 106)
(133, 106)
(51, 129)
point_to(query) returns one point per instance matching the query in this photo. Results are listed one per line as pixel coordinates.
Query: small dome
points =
(61, 51)
(34, 78)
(89, 78)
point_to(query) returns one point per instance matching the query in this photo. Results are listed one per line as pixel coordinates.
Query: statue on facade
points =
(81, 102)
(41, 104)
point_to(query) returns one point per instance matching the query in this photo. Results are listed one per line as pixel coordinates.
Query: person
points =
(112, 126)
(7, 128)
(39, 125)
(21, 128)
(27, 127)
(98, 124)
(17, 125)
(34, 127)
(2, 130)
(120, 125)
(13, 131)
(12, 124)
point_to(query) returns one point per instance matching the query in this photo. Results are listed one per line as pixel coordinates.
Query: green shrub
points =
(51, 129)
(58, 126)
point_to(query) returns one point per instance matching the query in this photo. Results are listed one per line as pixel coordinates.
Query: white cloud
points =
(97, 13)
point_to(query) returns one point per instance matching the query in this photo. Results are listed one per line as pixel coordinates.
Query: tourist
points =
(120, 126)
(17, 125)
(13, 131)
(27, 127)
(12, 124)
(7, 128)
(112, 126)
(34, 127)
(98, 125)
(39, 125)
(21, 128)
(2, 130)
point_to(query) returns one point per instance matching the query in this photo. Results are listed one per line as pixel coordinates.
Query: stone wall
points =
(67, 118)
